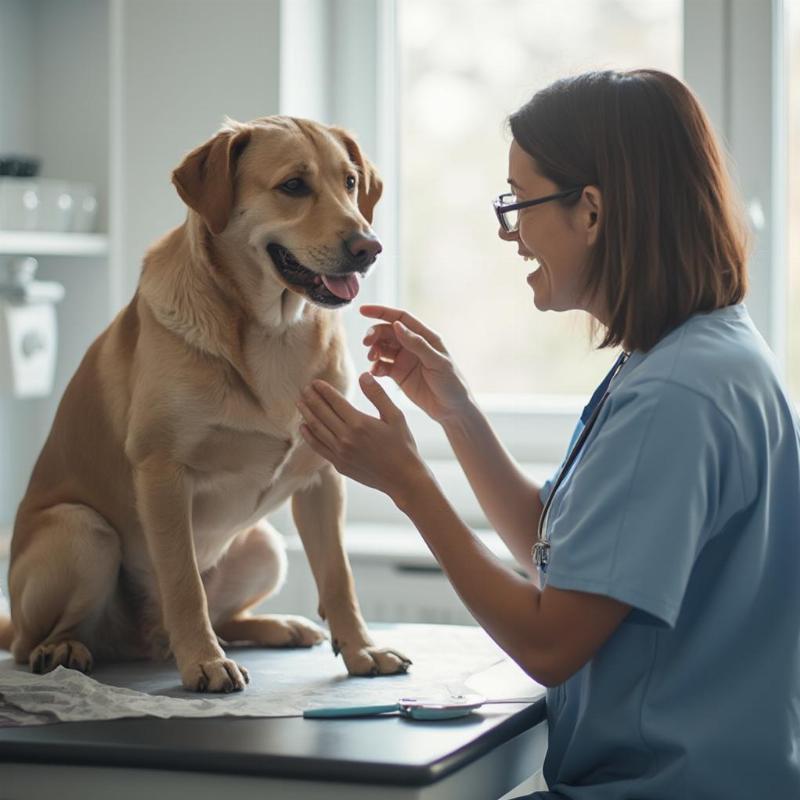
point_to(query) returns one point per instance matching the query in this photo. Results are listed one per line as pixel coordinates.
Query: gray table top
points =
(383, 750)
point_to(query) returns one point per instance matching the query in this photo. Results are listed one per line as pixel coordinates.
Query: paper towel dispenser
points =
(28, 332)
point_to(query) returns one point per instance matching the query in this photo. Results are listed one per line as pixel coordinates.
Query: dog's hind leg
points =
(59, 582)
(253, 568)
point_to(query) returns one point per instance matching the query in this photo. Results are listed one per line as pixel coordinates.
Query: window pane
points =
(793, 315)
(467, 64)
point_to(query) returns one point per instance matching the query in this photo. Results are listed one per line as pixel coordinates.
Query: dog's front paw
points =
(371, 661)
(214, 675)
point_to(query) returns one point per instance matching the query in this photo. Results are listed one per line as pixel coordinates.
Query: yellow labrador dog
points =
(141, 532)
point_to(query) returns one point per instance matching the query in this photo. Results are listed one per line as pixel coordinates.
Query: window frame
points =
(736, 61)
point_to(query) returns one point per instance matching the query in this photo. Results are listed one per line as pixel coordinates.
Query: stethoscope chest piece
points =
(541, 554)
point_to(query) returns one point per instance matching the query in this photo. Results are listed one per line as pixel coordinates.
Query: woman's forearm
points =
(507, 496)
(505, 604)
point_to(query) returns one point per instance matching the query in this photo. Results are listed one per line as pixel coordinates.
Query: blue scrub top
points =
(685, 504)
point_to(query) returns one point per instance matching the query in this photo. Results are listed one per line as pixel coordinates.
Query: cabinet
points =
(114, 93)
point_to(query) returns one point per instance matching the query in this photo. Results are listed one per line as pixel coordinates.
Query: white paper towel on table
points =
(282, 682)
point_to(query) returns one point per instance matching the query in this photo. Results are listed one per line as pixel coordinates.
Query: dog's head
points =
(297, 193)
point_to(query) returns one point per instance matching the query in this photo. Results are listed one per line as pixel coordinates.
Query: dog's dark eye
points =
(351, 183)
(295, 187)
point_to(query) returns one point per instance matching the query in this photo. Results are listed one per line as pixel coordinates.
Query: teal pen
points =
(350, 711)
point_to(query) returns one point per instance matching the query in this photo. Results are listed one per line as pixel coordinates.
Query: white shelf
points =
(44, 243)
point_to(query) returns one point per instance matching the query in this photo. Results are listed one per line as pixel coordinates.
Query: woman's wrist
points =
(458, 422)
(413, 488)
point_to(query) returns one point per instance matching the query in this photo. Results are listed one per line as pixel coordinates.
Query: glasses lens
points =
(512, 219)
(509, 218)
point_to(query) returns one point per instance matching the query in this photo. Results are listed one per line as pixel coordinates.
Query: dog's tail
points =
(6, 633)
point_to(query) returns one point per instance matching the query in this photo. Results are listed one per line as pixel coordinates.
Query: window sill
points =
(370, 542)
(532, 429)
(367, 506)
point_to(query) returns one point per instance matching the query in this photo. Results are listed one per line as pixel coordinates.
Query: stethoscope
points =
(541, 549)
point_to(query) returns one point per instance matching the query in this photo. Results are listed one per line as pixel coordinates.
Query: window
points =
(428, 90)
(793, 318)
(464, 66)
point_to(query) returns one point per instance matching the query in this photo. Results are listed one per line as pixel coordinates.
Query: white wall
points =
(185, 64)
(17, 71)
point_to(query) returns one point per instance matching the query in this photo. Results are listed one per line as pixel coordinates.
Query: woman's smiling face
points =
(560, 238)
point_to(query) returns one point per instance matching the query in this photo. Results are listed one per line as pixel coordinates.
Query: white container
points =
(27, 349)
(55, 206)
(84, 207)
(20, 203)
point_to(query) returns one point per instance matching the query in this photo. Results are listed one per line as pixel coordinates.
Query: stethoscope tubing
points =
(540, 551)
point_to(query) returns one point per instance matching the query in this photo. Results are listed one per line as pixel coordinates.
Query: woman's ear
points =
(370, 186)
(205, 178)
(592, 212)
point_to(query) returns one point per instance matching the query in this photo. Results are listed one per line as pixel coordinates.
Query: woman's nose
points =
(507, 236)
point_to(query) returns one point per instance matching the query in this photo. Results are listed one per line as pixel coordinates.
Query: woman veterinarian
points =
(667, 625)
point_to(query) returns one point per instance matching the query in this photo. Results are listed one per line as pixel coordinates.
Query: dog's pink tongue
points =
(346, 287)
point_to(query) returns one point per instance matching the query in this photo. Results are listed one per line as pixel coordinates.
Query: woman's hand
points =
(418, 362)
(380, 453)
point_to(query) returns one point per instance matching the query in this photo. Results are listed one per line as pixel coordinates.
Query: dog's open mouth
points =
(327, 290)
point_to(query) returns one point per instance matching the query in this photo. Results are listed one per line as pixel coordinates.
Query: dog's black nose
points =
(363, 248)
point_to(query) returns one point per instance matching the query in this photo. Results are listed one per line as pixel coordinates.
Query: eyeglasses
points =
(507, 208)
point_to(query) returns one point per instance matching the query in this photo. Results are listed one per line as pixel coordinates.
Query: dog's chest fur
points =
(252, 458)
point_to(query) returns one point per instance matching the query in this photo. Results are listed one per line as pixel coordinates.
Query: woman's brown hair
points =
(672, 240)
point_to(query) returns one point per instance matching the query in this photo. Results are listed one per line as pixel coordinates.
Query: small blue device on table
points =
(414, 708)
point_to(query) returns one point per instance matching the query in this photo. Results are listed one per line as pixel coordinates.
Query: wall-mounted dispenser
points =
(28, 333)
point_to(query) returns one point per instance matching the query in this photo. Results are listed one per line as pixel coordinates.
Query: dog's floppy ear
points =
(370, 186)
(204, 179)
